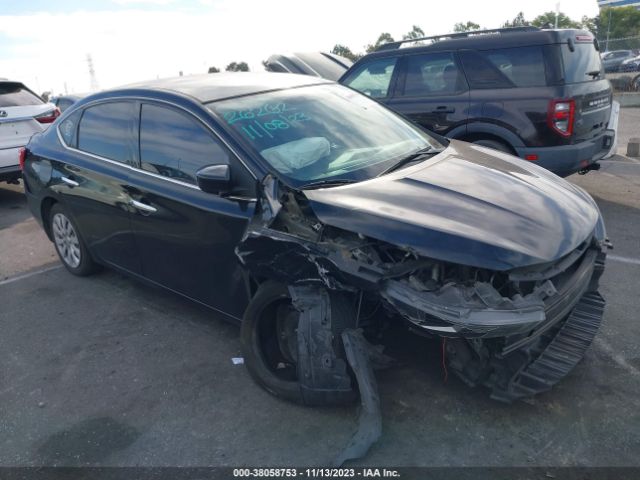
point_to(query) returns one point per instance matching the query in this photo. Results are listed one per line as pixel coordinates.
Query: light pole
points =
(606, 48)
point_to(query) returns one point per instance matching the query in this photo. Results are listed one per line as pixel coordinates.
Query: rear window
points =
(16, 95)
(582, 64)
(505, 67)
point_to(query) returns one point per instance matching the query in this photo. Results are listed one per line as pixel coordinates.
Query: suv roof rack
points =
(394, 45)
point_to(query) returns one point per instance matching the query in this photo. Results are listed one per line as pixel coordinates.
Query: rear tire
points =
(495, 144)
(69, 244)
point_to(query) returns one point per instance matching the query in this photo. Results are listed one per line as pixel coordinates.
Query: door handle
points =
(142, 206)
(444, 109)
(68, 181)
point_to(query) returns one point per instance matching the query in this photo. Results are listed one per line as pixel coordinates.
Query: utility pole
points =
(557, 14)
(92, 73)
(606, 48)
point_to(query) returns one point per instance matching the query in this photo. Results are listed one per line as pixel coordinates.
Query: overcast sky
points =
(45, 43)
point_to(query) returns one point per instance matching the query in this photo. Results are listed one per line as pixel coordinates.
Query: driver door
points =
(186, 237)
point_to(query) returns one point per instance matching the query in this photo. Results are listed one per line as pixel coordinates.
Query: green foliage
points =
(416, 32)
(344, 51)
(237, 67)
(213, 70)
(519, 21)
(548, 20)
(382, 39)
(465, 27)
(618, 22)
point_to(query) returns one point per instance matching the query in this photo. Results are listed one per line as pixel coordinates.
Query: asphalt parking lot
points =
(104, 371)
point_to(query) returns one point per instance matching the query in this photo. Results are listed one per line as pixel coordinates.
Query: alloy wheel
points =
(66, 240)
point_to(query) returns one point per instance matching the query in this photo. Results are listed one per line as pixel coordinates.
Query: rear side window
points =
(108, 130)
(505, 67)
(175, 145)
(69, 129)
(16, 95)
(433, 74)
(373, 78)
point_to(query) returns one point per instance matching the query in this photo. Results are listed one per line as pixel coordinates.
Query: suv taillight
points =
(562, 114)
(22, 155)
(48, 117)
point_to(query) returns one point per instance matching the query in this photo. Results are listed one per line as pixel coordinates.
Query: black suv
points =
(538, 94)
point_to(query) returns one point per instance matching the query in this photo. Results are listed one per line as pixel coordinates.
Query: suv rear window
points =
(16, 95)
(505, 67)
(581, 64)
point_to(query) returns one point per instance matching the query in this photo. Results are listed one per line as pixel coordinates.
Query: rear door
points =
(93, 180)
(431, 90)
(187, 237)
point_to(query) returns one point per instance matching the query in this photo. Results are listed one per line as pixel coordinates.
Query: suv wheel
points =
(69, 244)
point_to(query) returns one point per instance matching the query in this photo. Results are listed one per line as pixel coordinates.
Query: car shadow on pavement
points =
(13, 205)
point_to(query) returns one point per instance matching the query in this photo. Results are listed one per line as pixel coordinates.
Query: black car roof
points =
(504, 38)
(211, 87)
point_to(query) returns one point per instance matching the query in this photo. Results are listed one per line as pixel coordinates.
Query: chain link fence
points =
(627, 79)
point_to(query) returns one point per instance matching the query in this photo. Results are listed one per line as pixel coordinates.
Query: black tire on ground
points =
(495, 144)
(258, 324)
(69, 244)
(269, 342)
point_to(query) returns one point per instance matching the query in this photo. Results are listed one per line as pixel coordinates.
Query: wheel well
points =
(45, 210)
(472, 137)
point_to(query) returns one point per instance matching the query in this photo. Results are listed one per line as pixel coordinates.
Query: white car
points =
(22, 113)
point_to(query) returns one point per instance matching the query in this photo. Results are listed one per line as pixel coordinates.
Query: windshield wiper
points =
(327, 183)
(412, 157)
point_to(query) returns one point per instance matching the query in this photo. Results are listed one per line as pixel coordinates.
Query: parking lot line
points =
(616, 258)
(30, 274)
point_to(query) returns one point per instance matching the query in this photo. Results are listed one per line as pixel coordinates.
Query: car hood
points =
(468, 205)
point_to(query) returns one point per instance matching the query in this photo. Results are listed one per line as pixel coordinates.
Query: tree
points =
(465, 27)
(345, 51)
(213, 70)
(382, 39)
(519, 21)
(548, 20)
(619, 22)
(589, 23)
(416, 32)
(237, 67)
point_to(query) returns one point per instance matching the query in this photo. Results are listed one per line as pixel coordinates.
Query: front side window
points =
(505, 67)
(175, 145)
(432, 74)
(374, 78)
(321, 133)
(108, 130)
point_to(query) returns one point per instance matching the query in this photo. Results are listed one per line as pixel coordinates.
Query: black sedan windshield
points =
(322, 133)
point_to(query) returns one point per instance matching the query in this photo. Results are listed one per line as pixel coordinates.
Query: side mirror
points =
(214, 179)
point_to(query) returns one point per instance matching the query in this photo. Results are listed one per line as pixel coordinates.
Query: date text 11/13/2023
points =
(315, 473)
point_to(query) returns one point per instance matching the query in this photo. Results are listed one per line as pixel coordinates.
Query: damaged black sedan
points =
(316, 217)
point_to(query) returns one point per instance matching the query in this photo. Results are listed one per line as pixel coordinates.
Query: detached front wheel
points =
(270, 341)
(268, 334)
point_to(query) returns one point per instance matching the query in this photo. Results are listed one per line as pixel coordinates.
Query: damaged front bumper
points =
(480, 311)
